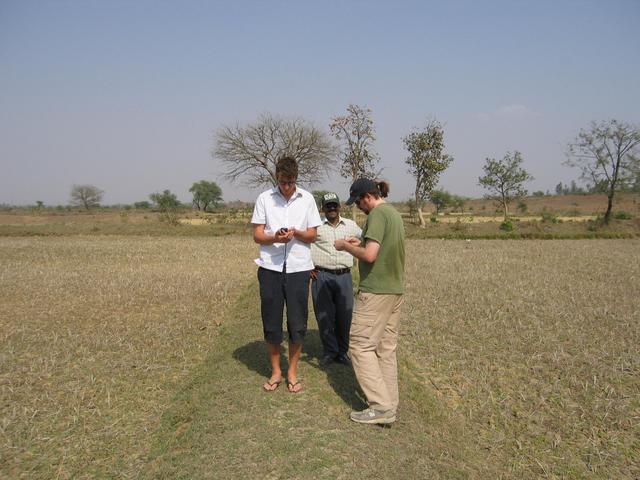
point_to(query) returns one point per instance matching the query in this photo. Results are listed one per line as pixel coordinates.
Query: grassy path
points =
(222, 425)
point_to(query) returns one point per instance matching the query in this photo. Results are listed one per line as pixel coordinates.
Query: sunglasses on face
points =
(286, 184)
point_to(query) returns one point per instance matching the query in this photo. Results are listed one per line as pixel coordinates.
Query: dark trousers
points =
(333, 305)
(276, 290)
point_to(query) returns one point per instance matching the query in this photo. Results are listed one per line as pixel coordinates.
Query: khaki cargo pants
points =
(372, 347)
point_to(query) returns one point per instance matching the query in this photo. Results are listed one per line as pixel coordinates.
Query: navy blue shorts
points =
(277, 290)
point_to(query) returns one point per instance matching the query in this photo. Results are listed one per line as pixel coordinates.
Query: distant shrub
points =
(433, 219)
(458, 226)
(143, 204)
(522, 206)
(170, 217)
(549, 216)
(622, 216)
(507, 226)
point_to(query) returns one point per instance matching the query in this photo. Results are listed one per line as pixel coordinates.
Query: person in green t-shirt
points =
(374, 328)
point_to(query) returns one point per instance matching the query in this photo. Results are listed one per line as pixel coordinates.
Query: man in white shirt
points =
(285, 220)
(332, 285)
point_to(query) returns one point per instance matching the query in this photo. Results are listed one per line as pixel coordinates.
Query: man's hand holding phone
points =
(283, 235)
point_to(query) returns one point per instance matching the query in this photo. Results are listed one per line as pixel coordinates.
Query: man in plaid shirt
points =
(332, 286)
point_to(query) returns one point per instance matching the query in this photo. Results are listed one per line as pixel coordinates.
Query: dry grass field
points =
(95, 335)
(534, 348)
(139, 357)
(564, 205)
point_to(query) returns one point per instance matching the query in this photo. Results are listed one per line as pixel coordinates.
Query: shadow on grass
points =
(340, 377)
(254, 356)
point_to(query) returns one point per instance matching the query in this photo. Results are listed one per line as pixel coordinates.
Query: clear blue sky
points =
(126, 95)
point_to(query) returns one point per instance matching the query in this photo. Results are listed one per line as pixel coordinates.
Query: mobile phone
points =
(284, 230)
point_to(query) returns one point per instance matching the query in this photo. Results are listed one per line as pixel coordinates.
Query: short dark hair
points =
(287, 166)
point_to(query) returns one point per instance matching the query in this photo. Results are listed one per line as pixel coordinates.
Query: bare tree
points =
(504, 179)
(426, 161)
(86, 196)
(607, 155)
(250, 152)
(356, 133)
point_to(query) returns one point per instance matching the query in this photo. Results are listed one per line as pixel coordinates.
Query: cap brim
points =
(351, 200)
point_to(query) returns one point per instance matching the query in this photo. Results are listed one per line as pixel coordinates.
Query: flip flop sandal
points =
(271, 385)
(291, 387)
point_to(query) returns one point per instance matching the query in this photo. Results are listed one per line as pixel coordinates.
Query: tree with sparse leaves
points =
(206, 194)
(505, 180)
(165, 201)
(356, 133)
(426, 161)
(250, 152)
(607, 155)
(441, 199)
(87, 196)
(458, 202)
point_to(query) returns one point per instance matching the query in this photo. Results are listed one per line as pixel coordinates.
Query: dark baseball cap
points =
(330, 197)
(360, 187)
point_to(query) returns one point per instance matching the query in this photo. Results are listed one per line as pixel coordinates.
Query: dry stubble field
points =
(518, 359)
(96, 333)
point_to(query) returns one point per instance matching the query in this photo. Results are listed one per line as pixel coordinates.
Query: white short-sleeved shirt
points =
(274, 212)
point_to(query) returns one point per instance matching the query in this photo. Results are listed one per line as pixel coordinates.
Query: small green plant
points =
(433, 219)
(622, 216)
(507, 226)
(550, 217)
(170, 217)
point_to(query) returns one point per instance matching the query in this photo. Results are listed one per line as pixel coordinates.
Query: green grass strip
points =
(222, 425)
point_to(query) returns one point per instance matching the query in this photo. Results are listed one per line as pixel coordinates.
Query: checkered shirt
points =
(324, 254)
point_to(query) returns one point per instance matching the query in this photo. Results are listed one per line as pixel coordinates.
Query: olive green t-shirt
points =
(386, 274)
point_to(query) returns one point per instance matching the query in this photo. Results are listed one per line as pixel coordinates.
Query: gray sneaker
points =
(371, 415)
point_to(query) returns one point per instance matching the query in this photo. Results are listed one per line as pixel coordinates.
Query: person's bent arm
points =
(263, 238)
(307, 236)
(368, 253)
